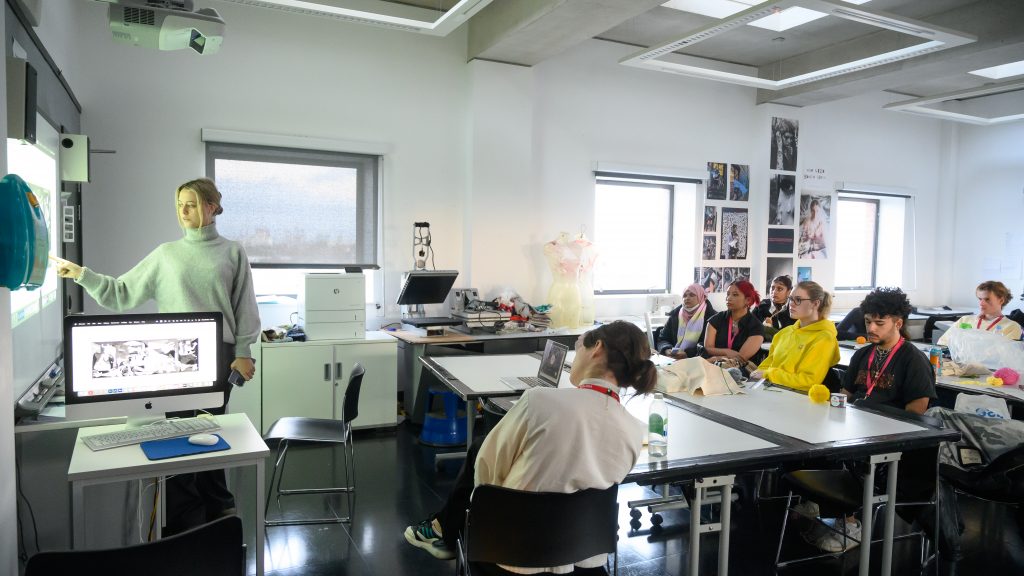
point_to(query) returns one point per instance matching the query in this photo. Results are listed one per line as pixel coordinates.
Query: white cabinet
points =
(310, 378)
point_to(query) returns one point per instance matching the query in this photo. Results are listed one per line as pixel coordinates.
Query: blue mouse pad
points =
(172, 447)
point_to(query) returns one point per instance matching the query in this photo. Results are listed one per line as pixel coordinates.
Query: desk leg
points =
(470, 418)
(868, 502)
(866, 520)
(695, 528)
(890, 517)
(161, 510)
(724, 483)
(77, 516)
(260, 516)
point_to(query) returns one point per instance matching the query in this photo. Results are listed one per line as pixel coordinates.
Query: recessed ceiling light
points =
(969, 105)
(788, 18)
(1001, 71)
(712, 8)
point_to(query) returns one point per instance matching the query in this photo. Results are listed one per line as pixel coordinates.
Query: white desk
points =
(129, 463)
(977, 385)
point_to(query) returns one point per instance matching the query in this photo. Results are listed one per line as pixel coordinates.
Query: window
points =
(642, 227)
(874, 239)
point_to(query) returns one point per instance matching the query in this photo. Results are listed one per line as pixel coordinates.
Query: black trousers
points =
(197, 498)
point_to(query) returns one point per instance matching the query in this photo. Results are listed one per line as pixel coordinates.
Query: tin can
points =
(837, 400)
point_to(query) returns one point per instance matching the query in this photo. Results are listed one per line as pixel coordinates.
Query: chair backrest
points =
(350, 405)
(213, 549)
(834, 379)
(651, 322)
(540, 529)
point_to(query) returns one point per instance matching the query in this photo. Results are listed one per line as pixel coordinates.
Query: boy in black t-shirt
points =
(891, 370)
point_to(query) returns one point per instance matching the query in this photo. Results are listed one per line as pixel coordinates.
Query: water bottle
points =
(935, 356)
(657, 427)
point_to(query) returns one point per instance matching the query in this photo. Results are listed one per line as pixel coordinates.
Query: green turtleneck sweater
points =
(202, 272)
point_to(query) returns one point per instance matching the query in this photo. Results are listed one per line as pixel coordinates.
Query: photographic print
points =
(709, 247)
(803, 274)
(711, 280)
(734, 234)
(739, 182)
(815, 209)
(785, 140)
(781, 200)
(777, 267)
(730, 275)
(142, 358)
(710, 218)
(780, 241)
(716, 180)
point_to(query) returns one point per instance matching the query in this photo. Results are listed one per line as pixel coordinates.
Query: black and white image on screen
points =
(142, 358)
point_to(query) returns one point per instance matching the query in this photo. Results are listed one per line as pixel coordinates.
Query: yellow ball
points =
(861, 340)
(819, 393)
(994, 381)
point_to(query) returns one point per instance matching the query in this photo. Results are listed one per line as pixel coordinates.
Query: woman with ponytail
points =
(557, 439)
(802, 353)
(686, 325)
(735, 334)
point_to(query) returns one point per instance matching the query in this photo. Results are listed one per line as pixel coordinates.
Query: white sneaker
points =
(832, 542)
(807, 509)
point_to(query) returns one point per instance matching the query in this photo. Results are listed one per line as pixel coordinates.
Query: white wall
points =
(989, 207)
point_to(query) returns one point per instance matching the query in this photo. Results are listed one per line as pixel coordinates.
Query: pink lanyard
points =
(729, 337)
(871, 359)
(602, 390)
(994, 322)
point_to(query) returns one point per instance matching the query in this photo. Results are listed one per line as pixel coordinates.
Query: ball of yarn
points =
(819, 393)
(993, 381)
(862, 340)
(1009, 376)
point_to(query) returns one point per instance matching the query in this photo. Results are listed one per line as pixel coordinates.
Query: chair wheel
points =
(655, 529)
(634, 513)
(656, 519)
(634, 524)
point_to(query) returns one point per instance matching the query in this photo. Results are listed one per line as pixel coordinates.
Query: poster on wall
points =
(708, 253)
(710, 218)
(777, 267)
(739, 182)
(780, 241)
(785, 141)
(803, 274)
(781, 200)
(815, 210)
(710, 279)
(716, 181)
(730, 275)
(734, 234)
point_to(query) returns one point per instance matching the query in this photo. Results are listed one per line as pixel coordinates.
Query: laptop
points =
(548, 374)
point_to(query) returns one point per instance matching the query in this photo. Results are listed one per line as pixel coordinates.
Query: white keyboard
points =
(161, 431)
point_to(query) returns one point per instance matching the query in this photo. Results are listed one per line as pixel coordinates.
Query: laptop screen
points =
(552, 362)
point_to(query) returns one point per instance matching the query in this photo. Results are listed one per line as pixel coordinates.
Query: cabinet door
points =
(378, 396)
(297, 381)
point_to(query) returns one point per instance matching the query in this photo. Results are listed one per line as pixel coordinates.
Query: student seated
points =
(802, 353)
(686, 325)
(852, 326)
(890, 370)
(735, 334)
(557, 439)
(992, 297)
(773, 312)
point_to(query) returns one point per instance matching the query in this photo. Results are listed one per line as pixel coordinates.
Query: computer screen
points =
(141, 365)
(426, 286)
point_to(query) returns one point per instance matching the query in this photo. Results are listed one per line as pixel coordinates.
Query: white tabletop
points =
(977, 385)
(483, 373)
(794, 415)
(130, 461)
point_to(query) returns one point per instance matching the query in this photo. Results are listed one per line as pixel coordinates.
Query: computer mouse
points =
(203, 439)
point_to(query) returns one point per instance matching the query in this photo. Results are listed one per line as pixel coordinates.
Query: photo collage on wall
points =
(726, 226)
(783, 199)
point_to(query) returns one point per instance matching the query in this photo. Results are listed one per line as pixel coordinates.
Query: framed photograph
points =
(710, 243)
(777, 267)
(716, 181)
(781, 200)
(803, 274)
(711, 280)
(734, 234)
(780, 241)
(710, 219)
(785, 141)
(739, 182)
(732, 274)
(815, 211)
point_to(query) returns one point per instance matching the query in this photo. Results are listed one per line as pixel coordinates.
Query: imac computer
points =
(141, 365)
(421, 287)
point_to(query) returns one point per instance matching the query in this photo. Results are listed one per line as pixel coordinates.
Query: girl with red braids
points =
(735, 334)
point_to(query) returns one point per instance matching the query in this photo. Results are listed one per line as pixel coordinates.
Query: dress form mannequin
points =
(564, 295)
(587, 255)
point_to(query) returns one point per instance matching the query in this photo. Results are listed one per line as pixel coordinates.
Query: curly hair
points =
(888, 302)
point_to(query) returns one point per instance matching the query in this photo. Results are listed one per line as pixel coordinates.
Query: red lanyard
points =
(602, 390)
(871, 359)
(729, 335)
(994, 322)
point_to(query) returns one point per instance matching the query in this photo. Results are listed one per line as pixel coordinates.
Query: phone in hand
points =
(236, 378)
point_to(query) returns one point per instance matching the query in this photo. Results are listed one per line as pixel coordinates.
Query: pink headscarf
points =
(691, 323)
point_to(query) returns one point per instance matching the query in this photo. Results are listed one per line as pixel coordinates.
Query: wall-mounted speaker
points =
(74, 157)
(21, 100)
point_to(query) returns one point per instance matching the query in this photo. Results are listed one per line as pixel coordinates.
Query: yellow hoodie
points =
(800, 356)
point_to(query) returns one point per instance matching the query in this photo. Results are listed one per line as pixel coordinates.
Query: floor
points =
(397, 485)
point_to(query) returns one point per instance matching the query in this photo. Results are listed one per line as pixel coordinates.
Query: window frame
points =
(840, 198)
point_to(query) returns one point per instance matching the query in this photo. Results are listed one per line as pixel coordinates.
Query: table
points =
(129, 463)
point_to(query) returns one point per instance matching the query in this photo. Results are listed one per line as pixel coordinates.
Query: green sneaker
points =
(423, 536)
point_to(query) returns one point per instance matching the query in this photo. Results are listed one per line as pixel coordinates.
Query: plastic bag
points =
(982, 405)
(987, 348)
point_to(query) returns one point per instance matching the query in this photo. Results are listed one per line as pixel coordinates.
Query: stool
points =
(449, 428)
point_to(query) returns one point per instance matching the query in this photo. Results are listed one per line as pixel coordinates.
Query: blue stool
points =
(447, 428)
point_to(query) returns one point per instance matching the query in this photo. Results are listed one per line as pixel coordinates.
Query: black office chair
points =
(324, 430)
(537, 529)
(213, 549)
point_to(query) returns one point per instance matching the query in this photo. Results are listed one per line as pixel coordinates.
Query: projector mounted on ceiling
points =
(166, 25)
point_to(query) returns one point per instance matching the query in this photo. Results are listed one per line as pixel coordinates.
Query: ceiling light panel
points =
(986, 105)
(712, 8)
(788, 18)
(934, 39)
(1001, 71)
